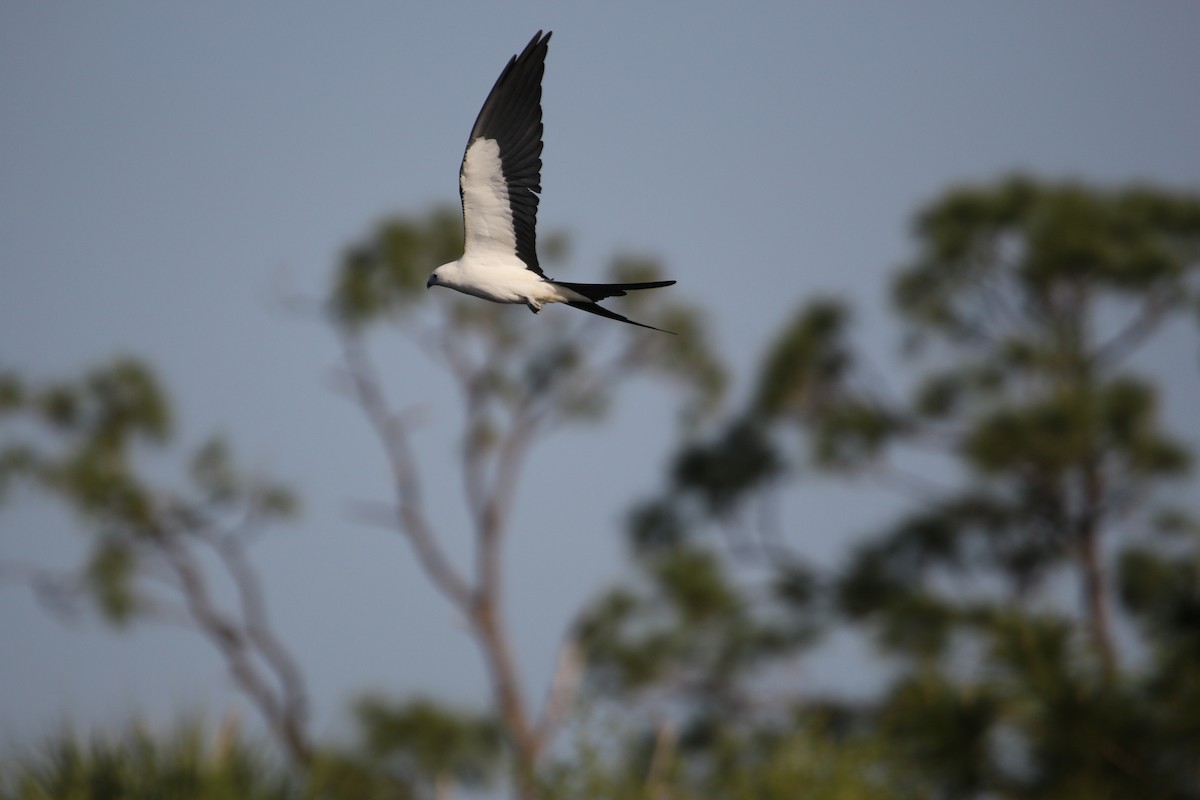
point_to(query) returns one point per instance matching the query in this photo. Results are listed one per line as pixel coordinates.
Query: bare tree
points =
(169, 554)
(156, 552)
(517, 382)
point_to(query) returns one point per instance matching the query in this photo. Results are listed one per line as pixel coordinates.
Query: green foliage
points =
(742, 458)
(693, 636)
(189, 762)
(804, 759)
(335, 775)
(688, 358)
(1082, 732)
(155, 546)
(804, 379)
(1021, 312)
(853, 433)
(1028, 301)
(1013, 280)
(945, 729)
(1162, 592)
(424, 742)
(693, 584)
(110, 576)
(388, 270)
(1059, 441)
(657, 525)
(12, 393)
(140, 765)
(1039, 238)
(192, 764)
(802, 371)
(1036, 720)
(1073, 424)
(103, 417)
(82, 442)
(1036, 295)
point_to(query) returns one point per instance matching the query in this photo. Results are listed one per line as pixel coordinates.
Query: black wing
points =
(507, 175)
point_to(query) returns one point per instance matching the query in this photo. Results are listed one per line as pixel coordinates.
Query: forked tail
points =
(596, 292)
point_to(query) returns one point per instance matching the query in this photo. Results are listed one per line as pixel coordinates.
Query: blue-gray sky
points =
(165, 167)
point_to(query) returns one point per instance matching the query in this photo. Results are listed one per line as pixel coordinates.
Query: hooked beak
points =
(432, 280)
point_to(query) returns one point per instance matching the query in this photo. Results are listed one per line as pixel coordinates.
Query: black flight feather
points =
(598, 291)
(593, 308)
(512, 116)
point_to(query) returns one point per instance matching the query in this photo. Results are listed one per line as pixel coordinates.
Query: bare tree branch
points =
(664, 749)
(1151, 314)
(293, 705)
(564, 685)
(58, 591)
(232, 640)
(410, 512)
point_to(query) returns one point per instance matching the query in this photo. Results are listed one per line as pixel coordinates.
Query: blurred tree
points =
(805, 761)
(159, 553)
(156, 552)
(1038, 296)
(428, 744)
(141, 764)
(1032, 450)
(1027, 438)
(517, 381)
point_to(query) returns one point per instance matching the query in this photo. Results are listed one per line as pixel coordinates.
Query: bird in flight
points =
(498, 183)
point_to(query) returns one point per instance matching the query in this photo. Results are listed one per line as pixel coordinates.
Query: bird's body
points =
(499, 183)
(503, 279)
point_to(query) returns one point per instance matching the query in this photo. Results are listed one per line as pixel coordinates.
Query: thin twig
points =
(564, 685)
(1136, 332)
(410, 513)
(255, 623)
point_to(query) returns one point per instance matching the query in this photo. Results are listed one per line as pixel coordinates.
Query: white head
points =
(445, 275)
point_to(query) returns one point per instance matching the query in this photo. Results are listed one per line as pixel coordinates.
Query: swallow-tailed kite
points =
(499, 183)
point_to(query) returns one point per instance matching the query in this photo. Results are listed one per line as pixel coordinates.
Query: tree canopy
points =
(1033, 610)
(1022, 317)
